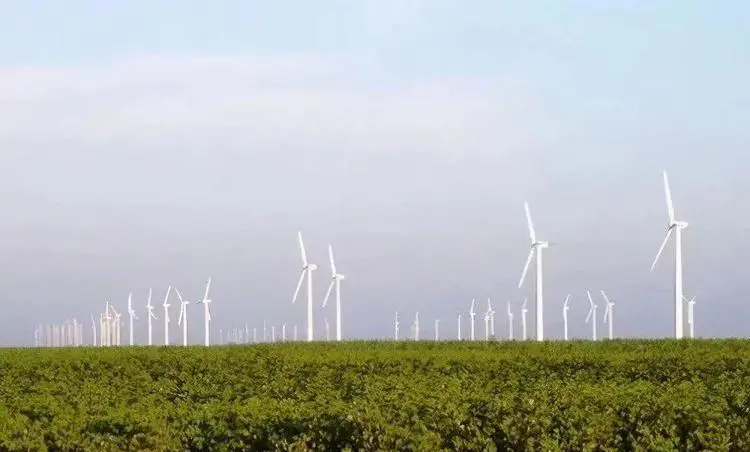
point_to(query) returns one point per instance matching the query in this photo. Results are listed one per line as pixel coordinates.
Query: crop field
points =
(621, 395)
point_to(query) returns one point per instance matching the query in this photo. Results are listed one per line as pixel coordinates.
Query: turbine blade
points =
(525, 302)
(567, 299)
(526, 267)
(661, 248)
(148, 303)
(302, 248)
(668, 195)
(166, 297)
(333, 264)
(606, 313)
(328, 293)
(606, 298)
(299, 285)
(489, 304)
(179, 295)
(532, 234)
(208, 287)
(471, 311)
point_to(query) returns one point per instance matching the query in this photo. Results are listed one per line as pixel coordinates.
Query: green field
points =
(623, 395)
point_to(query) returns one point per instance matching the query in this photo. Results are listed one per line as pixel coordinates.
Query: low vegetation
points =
(622, 395)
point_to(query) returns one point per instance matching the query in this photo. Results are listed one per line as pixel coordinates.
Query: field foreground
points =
(623, 395)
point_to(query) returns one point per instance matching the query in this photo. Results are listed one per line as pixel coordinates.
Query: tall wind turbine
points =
(307, 269)
(93, 331)
(523, 319)
(691, 317)
(491, 313)
(166, 316)
(566, 308)
(675, 227)
(487, 325)
(608, 312)
(472, 313)
(336, 279)
(117, 332)
(416, 326)
(437, 329)
(150, 316)
(182, 319)
(536, 247)
(510, 323)
(592, 314)
(395, 327)
(207, 314)
(458, 328)
(132, 316)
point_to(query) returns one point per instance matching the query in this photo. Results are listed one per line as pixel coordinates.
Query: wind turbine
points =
(117, 335)
(132, 316)
(395, 327)
(150, 316)
(182, 319)
(107, 326)
(536, 246)
(283, 331)
(265, 332)
(327, 328)
(336, 279)
(566, 308)
(690, 316)
(510, 323)
(487, 325)
(608, 311)
(93, 331)
(591, 314)
(255, 335)
(207, 314)
(307, 269)
(437, 329)
(472, 313)
(523, 319)
(491, 313)
(416, 326)
(166, 316)
(675, 227)
(458, 328)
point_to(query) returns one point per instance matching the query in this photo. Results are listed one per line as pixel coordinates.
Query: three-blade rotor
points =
(592, 308)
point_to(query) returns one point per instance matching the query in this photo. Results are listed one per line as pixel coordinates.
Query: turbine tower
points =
(416, 326)
(307, 269)
(336, 279)
(93, 331)
(395, 327)
(132, 316)
(487, 325)
(207, 314)
(592, 314)
(510, 323)
(566, 308)
(458, 328)
(523, 319)
(437, 329)
(491, 313)
(182, 319)
(166, 316)
(608, 315)
(150, 316)
(676, 227)
(536, 247)
(472, 313)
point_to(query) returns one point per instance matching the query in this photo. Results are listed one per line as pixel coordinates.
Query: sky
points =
(153, 143)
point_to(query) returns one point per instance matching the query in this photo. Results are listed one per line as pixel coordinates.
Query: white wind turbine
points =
(566, 308)
(472, 313)
(416, 326)
(690, 316)
(132, 316)
(676, 227)
(491, 313)
(592, 314)
(458, 328)
(283, 331)
(608, 313)
(395, 327)
(336, 279)
(523, 319)
(510, 323)
(93, 331)
(536, 246)
(327, 328)
(150, 316)
(487, 325)
(307, 269)
(437, 329)
(107, 327)
(166, 316)
(182, 319)
(207, 314)
(117, 332)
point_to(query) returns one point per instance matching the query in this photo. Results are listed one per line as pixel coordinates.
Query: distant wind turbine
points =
(523, 319)
(510, 323)
(691, 316)
(336, 279)
(491, 313)
(207, 314)
(566, 308)
(307, 269)
(674, 226)
(536, 246)
(608, 315)
(487, 325)
(458, 328)
(283, 331)
(132, 316)
(166, 316)
(437, 329)
(182, 319)
(416, 326)
(472, 313)
(592, 314)
(150, 316)
(395, 327)
(93, 331)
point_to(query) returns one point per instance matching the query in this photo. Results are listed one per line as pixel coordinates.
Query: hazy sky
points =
(148, 143)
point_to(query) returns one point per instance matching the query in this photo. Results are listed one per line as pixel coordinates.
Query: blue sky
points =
(155, 143)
